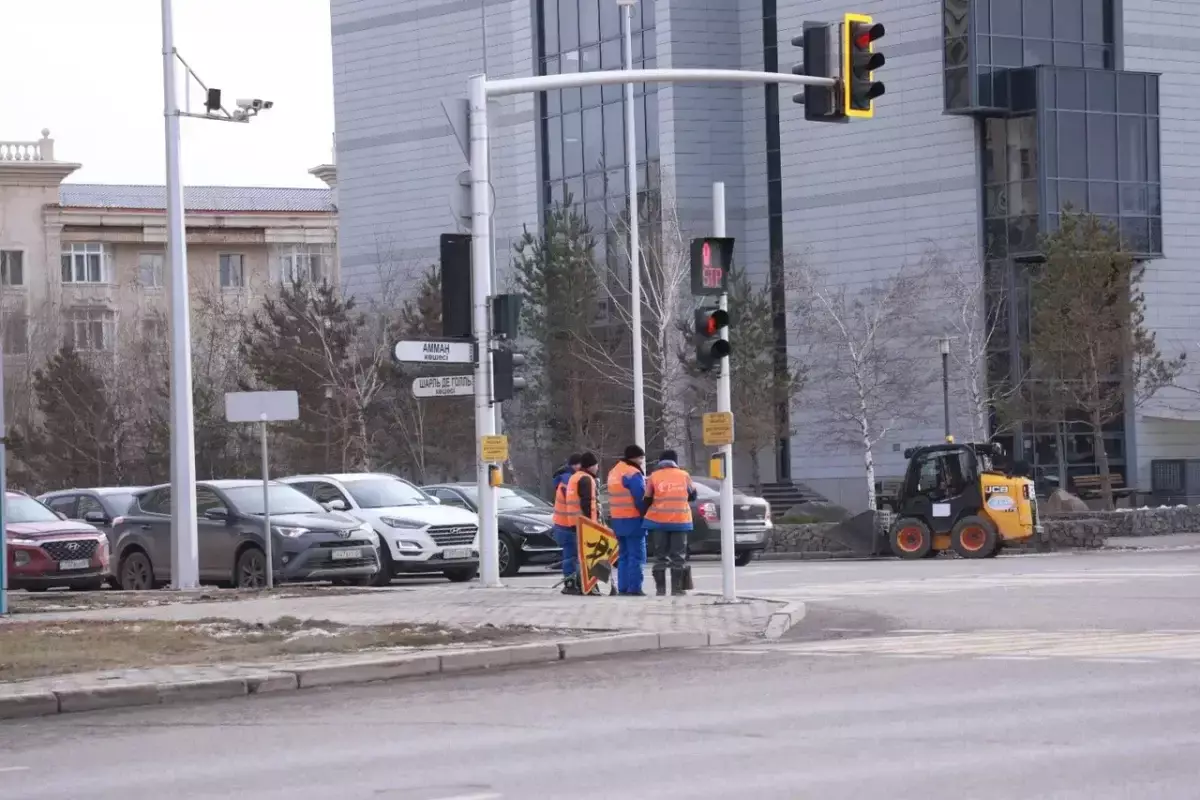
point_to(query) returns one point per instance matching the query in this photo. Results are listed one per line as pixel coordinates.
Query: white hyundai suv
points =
(419, 534)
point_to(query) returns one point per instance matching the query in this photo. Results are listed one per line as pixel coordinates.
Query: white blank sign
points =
(261, 406)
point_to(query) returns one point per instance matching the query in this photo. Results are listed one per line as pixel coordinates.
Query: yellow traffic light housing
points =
(859, 62)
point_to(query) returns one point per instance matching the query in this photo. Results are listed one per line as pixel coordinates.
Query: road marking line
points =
(1103, 660)
(14, 769)
(921, 630)
(485, 796)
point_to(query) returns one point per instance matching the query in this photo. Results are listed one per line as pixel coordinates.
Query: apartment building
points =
(86, 263)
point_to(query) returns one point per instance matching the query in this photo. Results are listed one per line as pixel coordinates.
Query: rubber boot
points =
(677, 582)
(571, 585)
(660, 581)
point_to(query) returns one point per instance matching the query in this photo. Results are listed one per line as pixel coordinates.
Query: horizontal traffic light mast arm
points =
(545, 83)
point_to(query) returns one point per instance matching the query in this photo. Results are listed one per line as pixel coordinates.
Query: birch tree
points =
(869, 363)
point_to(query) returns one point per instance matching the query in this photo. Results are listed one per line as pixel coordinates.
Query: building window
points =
(85, 263)
(154, 329)
(150, 269)
(90, 329)
(12, 268)
(304, 263)
(16, 335)
(233, 275)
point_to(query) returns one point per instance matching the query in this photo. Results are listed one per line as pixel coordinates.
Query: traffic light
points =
(711, 347)
(859, 61)
(821, 103)
(505, 382)
(711, 260)
(455, 263)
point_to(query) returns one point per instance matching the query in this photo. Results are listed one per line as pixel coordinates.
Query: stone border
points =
(19, 703)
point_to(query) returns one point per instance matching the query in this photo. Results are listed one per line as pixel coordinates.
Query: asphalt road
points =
(1056, 677)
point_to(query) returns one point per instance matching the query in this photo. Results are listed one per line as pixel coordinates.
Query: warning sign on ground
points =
(597, 556)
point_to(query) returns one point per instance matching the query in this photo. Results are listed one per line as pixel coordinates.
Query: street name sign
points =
(444, 386)
(262, 406)
(435, 352)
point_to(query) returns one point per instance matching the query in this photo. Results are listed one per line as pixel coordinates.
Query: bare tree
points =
(975, 307)
(869, 363)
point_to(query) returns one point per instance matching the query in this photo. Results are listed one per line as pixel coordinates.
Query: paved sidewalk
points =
(473, 606)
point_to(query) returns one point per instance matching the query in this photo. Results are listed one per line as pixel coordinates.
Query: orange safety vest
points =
(669, 487)
(620, 499)
(574, 507)
(564, 517)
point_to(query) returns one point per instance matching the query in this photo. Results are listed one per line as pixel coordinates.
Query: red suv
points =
(46, 551)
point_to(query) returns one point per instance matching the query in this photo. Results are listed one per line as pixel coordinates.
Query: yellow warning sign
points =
(718, 428)
(598, 550)
(493, 449)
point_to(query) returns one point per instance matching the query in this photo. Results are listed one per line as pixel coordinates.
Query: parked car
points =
(524, 521)
(751, 522)
(419, 534)
(309, 542)
(46, 551)
(97, 507)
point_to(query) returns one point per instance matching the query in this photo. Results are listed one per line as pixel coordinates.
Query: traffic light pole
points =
(481, 282)
(479, 91)
(725, 403)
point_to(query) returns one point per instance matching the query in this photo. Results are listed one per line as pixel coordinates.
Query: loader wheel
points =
(974, 537)
(910, 539)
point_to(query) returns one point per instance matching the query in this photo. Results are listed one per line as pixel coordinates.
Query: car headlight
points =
(532, 527)
(366, 530)
(291, 533)
(403, 524)
(23, 542)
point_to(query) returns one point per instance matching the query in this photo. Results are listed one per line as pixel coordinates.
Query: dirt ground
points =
(31, 649)
(42, 602)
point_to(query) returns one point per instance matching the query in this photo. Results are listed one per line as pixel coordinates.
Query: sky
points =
(91, 72)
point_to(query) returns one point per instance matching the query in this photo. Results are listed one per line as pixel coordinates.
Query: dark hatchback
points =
(751, 522)
(308, 542)
(524, 522)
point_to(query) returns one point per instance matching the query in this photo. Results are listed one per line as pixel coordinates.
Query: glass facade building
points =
(1060, 128)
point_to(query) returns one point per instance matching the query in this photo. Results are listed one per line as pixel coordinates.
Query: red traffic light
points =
(716, 320)
(865, 34)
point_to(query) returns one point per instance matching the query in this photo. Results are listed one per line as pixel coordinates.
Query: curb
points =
(17, 702)
(782, 620)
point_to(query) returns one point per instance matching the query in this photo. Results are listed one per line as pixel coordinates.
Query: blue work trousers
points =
(631, 562)
(567, 540)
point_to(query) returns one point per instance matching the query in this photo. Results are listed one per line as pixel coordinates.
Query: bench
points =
(1088, 486)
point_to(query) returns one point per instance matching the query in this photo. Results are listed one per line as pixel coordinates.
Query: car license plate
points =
(745, 537)
(80, 563)
(451, 553)
(345, 555)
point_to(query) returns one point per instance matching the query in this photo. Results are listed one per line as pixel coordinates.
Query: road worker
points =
(626, 504)
(564, 525)
(669, 493)
(581, 498)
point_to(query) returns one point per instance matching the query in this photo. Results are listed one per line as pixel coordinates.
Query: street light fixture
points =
(635, 270)
(184, 549)
(944, 349)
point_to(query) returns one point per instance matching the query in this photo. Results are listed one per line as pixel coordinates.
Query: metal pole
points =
(481, 281)
(635, 269)
(270, 539)
(946, 390)
(725, 403)
(3, 490)
(185, 567)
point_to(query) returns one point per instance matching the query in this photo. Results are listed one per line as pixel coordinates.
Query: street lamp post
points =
(635, 270)
(185, 567)
(944, 348)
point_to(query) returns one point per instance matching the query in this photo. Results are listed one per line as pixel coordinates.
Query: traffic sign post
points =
(434, 352)
(444, 386)
(263, 407)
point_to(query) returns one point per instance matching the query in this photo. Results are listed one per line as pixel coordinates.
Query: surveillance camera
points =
(254, 104)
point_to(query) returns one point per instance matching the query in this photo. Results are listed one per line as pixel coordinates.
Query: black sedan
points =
(751, 521)
(523, 519)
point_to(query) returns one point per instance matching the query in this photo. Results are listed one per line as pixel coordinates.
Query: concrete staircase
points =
(783, 496)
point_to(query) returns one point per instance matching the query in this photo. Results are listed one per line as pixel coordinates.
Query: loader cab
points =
(942, 484)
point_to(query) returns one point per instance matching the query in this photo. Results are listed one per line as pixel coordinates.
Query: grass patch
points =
(39, 649)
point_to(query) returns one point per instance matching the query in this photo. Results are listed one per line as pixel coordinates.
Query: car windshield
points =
(385, 493)
(283, 500)
(508, 499)
(117, 504)
(706, 490)
(19, 508)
